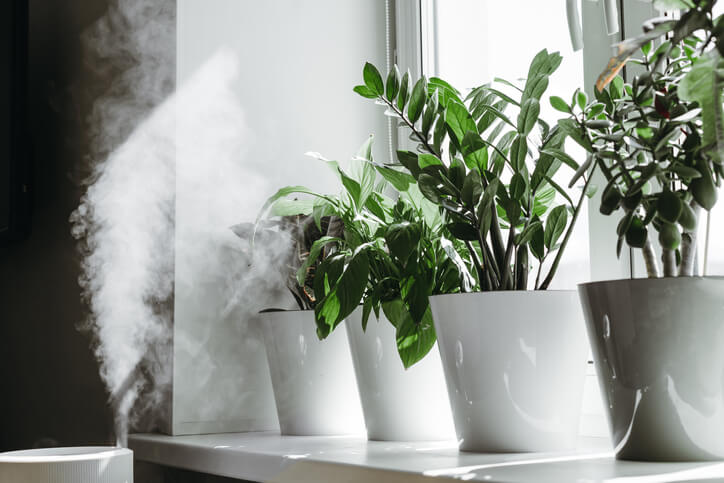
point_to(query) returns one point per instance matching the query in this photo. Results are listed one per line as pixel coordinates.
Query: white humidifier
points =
(90, 464)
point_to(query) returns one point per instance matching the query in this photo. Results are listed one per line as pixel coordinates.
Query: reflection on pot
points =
(659, 351)
(515, 365)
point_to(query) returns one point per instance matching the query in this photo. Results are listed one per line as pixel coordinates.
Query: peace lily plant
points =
(388, 255)
(658, 142)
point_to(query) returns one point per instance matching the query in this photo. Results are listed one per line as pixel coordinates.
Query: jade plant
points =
(488, 162)
(389, 255)
(659, 140)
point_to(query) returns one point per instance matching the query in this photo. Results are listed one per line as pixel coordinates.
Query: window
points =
(470, 42)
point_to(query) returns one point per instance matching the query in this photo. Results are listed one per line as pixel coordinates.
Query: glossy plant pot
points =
(658, 345)
(313, 381)
(399, 404)
(515, 365)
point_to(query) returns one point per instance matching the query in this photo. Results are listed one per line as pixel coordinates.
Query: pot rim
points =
(651, 280)
(505, 292)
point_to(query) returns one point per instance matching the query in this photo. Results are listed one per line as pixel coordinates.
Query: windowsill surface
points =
(265, 456)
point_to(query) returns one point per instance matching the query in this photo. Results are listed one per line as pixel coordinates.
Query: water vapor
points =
(161, 270)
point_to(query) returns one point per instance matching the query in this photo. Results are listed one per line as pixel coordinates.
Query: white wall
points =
(259, 84)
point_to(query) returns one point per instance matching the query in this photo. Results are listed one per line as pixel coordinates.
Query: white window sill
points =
(266, 456)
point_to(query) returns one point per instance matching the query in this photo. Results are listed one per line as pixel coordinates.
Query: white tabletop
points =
(265, 456)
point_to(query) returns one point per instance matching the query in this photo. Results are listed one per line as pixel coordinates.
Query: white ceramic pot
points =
(313, 381)
(658, 345)
(515, 364)
(398, 404)
(84, 464)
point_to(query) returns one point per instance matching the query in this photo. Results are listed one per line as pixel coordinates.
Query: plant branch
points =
(411, 126)
(688, 245)
(652, 266)
(551, 273)
(669, 258)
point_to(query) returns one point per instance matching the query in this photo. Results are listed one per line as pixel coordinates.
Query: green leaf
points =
(537, 244)
(345, 293)
(637, 234)
(459, 120)
(517, 187)
(287, 207)
(518, 153)
(414, 341)
(417, 100)
(472, 189)
(528, 116)
(401, 181)
(669, 206)
(373, 79)
(669, 236)
(701, 84)
(560, 105)
(428, 187)
(365, 91)
(562, 156)
(402, 239)
(475, 152)
(687, 218)
(535, 87)
(582, 99)
(463, 231)
(424, 160)
(410, 161)
(404, 93)
(354, 190)
(527, 234)
(555, 225)
(393, 83)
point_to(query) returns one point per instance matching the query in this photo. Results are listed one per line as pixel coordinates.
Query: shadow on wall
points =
(52, 392)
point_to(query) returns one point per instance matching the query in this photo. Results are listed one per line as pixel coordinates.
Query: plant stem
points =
(551, 273)
(476, 261)
(669, 258)
(507, 282)
(411, 126)
(652, 266)
(688, 245)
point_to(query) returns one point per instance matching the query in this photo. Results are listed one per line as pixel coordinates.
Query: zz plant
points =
(488, 162)
(659, 141)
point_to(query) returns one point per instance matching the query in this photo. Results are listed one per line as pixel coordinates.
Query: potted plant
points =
(372, 270)
(659, 143)
(514, 358)
(307, 376)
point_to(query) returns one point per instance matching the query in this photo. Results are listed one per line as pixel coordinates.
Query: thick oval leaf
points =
(518, 153)
(669, 236)
(373, 79)
(517, 186)
(637, 233)
(463, 231)
(528, 116)
(560, 105)
(393, 83)
(459, 120)
(555, 225)
(669, 206)
(417, 100)
(365, 91)
(404, 93)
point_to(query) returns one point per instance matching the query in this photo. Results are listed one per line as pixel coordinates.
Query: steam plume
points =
(168, 179)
